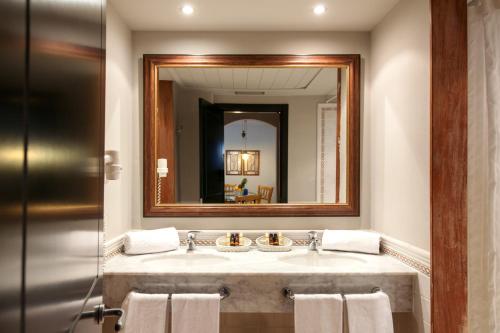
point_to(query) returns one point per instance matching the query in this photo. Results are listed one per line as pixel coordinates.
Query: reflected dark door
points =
(211, 152)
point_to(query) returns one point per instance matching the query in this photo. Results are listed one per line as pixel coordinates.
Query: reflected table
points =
(238, 197)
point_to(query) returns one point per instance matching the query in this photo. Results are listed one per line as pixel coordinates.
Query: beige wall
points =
(119, 118)
(244, 43)
(399, 118)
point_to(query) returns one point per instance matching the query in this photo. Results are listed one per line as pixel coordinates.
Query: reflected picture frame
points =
(234, 165)
(251, 167)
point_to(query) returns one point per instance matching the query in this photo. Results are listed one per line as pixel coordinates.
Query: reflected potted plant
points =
(242, 186)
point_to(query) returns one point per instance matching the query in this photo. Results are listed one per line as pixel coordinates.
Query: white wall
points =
(187, 141)
(245, 43)
(260, 136)
(399, 118)
(119, 123)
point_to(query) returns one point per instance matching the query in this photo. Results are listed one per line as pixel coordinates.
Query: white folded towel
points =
(351, 241)
(369, 313)
(195, 313)
(151, 241)
(145, 313)
(318, 313)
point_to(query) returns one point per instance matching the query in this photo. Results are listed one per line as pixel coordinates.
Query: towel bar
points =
(288, 293)
(224, 293)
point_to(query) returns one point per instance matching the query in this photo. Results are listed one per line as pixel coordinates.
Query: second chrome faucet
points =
(313, 241)
(191, 237)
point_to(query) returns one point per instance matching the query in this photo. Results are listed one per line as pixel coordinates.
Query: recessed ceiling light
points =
(319, 9)
(187, 9)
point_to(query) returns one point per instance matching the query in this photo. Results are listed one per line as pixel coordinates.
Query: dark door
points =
(211, 152)
(12, 129)
(65, 163)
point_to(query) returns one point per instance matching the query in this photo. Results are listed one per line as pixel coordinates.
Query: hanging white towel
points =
(145, 313)
(151, 241)
(369, 313)
(195, 313)
(318, 313)
(351, 240)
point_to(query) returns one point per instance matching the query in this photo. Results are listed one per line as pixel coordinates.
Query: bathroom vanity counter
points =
(256, 278)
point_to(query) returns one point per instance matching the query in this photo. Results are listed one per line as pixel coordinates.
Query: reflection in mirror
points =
(253, 135)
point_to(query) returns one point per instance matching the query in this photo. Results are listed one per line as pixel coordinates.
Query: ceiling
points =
(267, 81)
(252, 15)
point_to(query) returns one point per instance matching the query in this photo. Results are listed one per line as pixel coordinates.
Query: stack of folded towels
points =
(351, 241)
(151, 241)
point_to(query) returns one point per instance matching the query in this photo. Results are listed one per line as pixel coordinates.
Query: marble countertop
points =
(207, 260)
(257, 278)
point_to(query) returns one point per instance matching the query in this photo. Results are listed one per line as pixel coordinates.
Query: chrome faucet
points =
(191, 237)
(313, 240)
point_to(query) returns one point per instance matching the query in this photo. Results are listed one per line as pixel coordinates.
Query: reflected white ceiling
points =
(253, 15)
(270, 81)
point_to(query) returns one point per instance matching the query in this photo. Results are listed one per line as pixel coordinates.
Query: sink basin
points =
(322, 259)
(185, 259)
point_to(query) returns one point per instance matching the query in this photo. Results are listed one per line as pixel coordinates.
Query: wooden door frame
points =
(166, 146)
(449, 165)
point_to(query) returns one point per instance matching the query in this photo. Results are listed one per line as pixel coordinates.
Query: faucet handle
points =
(192, 234)
(313, 235)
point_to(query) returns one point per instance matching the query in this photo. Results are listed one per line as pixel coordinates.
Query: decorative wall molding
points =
(113, 247)
(410, 255)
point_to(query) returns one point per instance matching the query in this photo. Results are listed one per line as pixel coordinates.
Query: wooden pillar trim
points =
(449, 166)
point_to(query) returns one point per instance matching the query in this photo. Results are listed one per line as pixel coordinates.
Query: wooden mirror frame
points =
(153, 131)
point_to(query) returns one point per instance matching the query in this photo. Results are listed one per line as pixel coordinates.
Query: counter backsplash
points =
(410, 255)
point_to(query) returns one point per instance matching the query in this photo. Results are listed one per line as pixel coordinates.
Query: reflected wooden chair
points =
(265, 192)
(230, 187)
(248, 199)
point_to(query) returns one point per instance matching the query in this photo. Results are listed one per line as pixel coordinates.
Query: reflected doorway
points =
(243, 153)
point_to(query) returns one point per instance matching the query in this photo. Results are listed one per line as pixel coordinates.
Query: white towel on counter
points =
(318, 313)
(151, 241)
(195, 313)
(351, 241)
(369, 313)
(145, 313)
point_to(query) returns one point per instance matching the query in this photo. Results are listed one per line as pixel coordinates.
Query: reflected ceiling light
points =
(244, 131)
(319, 9)
(187, 10)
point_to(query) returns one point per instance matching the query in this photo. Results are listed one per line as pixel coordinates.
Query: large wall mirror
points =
(253, 135)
